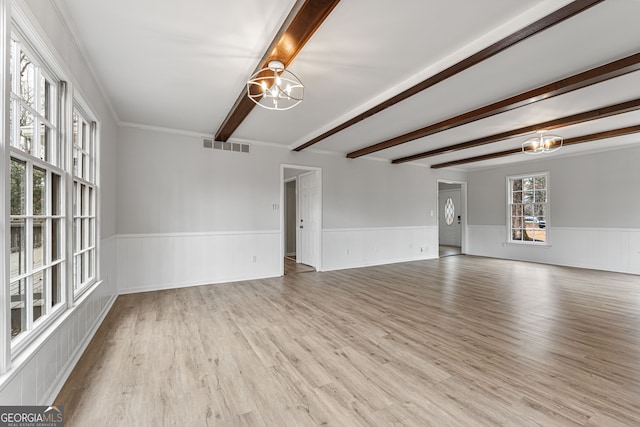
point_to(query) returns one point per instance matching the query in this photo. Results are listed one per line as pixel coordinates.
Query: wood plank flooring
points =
(453, 341)
(445, 250)
(291, 266)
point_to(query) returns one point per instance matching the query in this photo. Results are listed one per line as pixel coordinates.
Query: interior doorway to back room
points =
(301, 224)
(451, 218)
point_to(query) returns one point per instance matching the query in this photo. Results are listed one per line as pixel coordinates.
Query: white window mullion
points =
(46, 290)
(62, 135)
(29, 246)
(29, 304)
(47, 253)
(65, 134)
(36, 117)
(85, 217)
(93, 131)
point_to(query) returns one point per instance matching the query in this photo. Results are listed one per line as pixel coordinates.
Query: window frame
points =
(33, 327)
(55, 165)
(54, 122)
(510, 203)
(84, 241)
(52, 118)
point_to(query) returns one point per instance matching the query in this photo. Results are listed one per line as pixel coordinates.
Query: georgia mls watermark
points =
(31, 416)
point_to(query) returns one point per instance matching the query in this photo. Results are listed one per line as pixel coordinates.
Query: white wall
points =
(173, 214)
(39, 372)
(174, 194)
(594, 219)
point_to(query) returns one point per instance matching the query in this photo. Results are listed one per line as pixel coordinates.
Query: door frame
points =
(284, 207)
(318, 172)
(463, 197)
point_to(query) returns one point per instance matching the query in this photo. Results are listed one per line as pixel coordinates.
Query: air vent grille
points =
(225, 146)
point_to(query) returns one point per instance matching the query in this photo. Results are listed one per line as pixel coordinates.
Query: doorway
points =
(301, 224)
(451, 217)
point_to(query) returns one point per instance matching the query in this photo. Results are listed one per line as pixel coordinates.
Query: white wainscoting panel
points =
(40, 371)
(148, 262)
(608, 249)
(362, 247)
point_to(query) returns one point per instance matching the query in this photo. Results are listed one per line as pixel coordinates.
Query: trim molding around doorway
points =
(465, 214)
(282, 212)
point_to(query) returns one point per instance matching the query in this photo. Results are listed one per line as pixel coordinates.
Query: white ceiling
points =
(181, 65)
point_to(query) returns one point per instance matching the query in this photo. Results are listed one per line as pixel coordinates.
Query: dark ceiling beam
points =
(301, 23)
(542, 24)
(579, 81)
(570, 141)
(599, 113)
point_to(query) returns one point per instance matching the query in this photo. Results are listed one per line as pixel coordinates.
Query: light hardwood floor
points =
(291, 266)
(445, 250)
(452, 341)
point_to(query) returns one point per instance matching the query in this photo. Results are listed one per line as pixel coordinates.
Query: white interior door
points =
(308, 219)
(450, 217)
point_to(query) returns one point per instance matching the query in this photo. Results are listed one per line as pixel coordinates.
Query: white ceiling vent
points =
(225, 146)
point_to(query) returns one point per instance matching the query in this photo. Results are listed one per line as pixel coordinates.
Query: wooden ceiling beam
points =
(570, 141)
(579, 81)
(599, 113)
(540, 25)
(301, 23)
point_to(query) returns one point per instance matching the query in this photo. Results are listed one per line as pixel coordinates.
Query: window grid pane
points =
(56, 239)
(18, 303)
(18, 247)
(38, 294)
(39, 191)
(56, 200)
(56, 285)
(26, 130)
(18, 182)
(39, 242)
(27, 80)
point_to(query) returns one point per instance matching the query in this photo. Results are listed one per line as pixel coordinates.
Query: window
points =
(449, 211)
(84, 201)
(37, 258)
(33, 107)
(528, 208)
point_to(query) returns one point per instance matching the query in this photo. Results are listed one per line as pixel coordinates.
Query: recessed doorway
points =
(451, 217)
(301, 223)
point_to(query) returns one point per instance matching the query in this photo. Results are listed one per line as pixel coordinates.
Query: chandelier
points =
(542, 144)
(275, 88)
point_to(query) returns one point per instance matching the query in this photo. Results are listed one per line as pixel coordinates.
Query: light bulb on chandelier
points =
(275, 88)
(542, 144)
